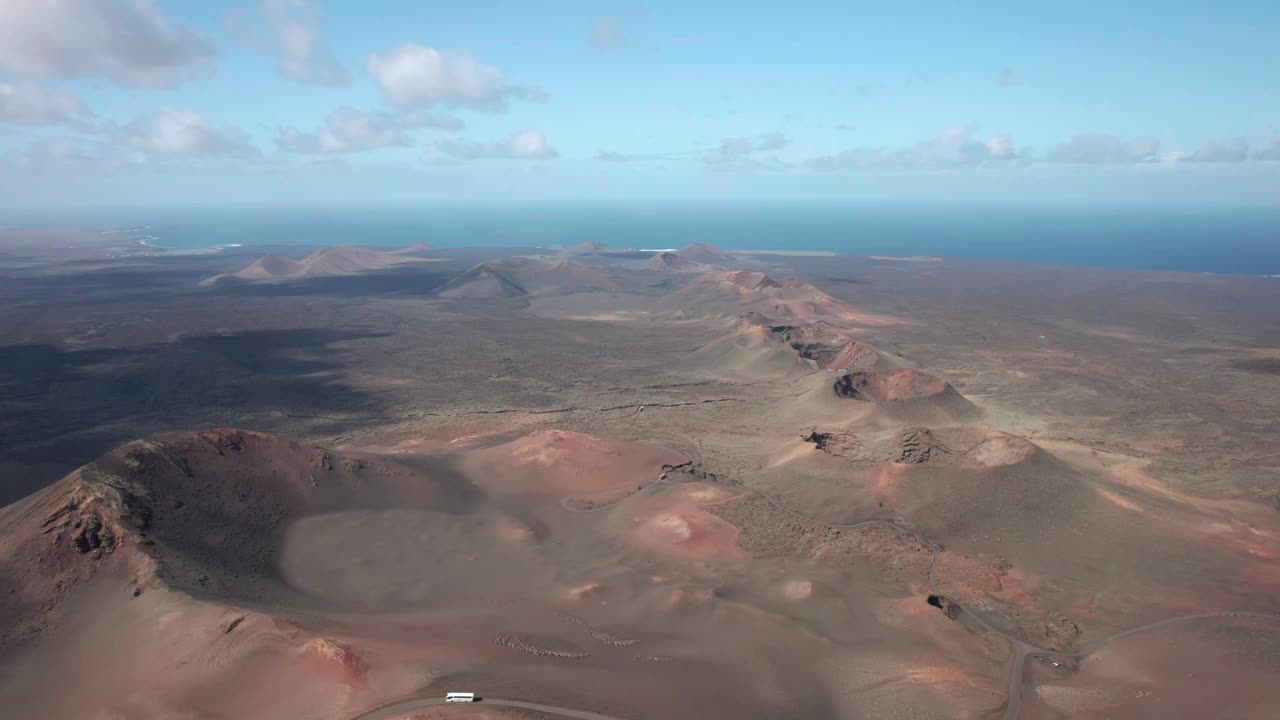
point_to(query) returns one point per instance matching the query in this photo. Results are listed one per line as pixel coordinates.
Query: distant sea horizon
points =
(1211, 239)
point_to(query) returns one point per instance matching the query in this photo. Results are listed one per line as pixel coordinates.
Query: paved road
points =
(400, 708)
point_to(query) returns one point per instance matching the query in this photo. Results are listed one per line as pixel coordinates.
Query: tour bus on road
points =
(460, 697)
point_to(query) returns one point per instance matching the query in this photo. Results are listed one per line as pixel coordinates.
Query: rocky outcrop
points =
(946, 605)
(957, 446)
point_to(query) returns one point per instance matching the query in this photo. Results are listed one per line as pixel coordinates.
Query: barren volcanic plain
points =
(292, 482)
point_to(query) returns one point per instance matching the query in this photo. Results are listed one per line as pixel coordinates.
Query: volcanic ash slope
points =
(514, 277)
(729, 294)
(342, 260)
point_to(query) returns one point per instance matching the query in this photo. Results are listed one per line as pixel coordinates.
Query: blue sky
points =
(285, 101)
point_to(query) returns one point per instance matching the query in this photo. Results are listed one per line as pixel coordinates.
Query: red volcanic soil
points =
(971, 447)
(272, 266)
(890, 386)
(135, 554)
(523, 276)
(674, 262)
(853, 356)
(554, 464)
(907, 394)
(674, 525)
(240, 547)
(703, 253)
(344, 260)
(832, 347)
(724, 294)
(985, 496)
(719, 294)
(750, 352)
(730, 284)
(757, 349)
(208, 507)
(1053, 526)
(164, 654)
(1220, 667)
(943, 480)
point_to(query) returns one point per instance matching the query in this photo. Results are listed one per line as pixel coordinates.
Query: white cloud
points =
(1271, 153)
(1099, 149)
(611, 156)
(439, 121)
(347, 130)
(31, 105)
(1232, 151)
(954, 149)
(735, 149)
(294, 33)
(158, 137)
(57, 153)
(528, 94)
(1000, 148)
(181, 133)
(957, 148)
(526, 145)
(415, 76)
(732, 153)
(128, 41)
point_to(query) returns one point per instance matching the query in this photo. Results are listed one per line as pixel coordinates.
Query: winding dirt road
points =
(1021, 649)
(398, 709)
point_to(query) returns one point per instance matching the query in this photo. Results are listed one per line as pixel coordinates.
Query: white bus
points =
(460, 697)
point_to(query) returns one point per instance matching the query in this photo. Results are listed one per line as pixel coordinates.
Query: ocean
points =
(1217, 239)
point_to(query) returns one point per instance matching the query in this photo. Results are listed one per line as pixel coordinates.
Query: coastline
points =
(797, 253)
(907, 258)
